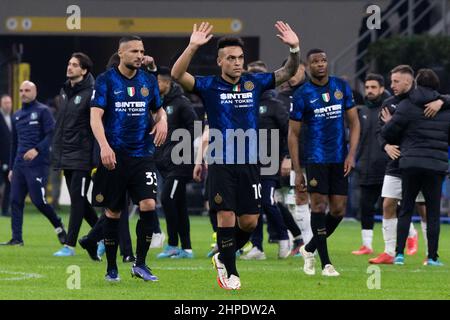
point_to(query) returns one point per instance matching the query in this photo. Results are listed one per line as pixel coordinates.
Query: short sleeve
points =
(201, 84)
(156, 102)
(265, 80)
(297, 107)
(349, 101)
(99, 97)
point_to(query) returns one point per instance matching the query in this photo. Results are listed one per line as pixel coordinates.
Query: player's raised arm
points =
(289, 37)
(199, 37)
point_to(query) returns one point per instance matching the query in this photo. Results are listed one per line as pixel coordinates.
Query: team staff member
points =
(234, 186)
(33, 126)
(321, 104)
(126, 99)
(180, 114)
(5, 151)
(72, 148)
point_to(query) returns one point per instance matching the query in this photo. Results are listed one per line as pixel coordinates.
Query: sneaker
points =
(382, 258)
(310, 261)
(130, 258)
(248, 246)
(295, 252)
(283, 249)
(254, 254)
(399, 259)
(112, 276)
(234, 283)
(12, 242)
(362, 250)
(65, 252)
(330, 271)
(61, 234)
(168, 252)
(183, 254)
(143, 272)
(101, 248)
(222, 275)
(412, 245)
(90, 247)
(158, 240)
(436, 263)
(213, 251)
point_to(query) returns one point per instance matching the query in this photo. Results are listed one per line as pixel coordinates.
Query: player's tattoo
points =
(288, 70)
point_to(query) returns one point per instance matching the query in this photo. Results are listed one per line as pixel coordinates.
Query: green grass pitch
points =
(31, 272)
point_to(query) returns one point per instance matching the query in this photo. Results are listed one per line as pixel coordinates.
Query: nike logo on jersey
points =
(117, 92)
(312, 101)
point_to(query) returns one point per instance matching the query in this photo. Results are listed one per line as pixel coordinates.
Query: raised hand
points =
(287, 35)
(201, 35)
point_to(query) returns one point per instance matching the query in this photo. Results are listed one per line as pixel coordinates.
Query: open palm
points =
(286, 34)
(201, 35)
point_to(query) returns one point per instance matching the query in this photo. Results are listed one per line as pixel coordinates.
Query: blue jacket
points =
(32, 127)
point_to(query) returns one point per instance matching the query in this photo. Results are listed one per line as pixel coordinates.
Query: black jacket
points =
(180, 115)
(371, 161)
(273, 115)
(73, 140)
(5, 144)
(423, 141)
(391, 104)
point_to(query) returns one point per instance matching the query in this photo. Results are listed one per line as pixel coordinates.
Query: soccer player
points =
(272, 116)
(73, 145)
(125, 101)
(33, 127)
(321, 104)
(231, 101)
(180, 114)
(402, 83)
(371, 160)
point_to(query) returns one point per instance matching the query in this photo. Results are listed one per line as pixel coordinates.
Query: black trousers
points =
(77, 182)
(370, 194)
(173, 200)
(6, 193)
(430, 182)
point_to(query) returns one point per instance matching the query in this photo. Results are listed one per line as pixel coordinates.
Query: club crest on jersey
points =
(131, 91)
(262, 109)
(99, 198)
(249, 86)
(144, 91)
(33, 116)
(77, 100)
(338, 94)
(169, 109)
(326, 97)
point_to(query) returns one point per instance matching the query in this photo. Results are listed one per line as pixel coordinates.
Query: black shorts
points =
(326, 178)
(234, 187)
(134, 175)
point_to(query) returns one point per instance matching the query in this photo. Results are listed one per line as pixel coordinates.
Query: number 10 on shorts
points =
(151, 177)
(257, 189)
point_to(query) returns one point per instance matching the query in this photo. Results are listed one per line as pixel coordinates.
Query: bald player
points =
(32, 129)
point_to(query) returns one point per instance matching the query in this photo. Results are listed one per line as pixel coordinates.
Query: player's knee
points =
(319, 206)
(147, 205)
(226, 219)
(301, 198)
(389, 208)
(248, 225)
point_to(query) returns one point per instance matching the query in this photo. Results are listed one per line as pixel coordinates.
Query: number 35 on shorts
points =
(151, 178)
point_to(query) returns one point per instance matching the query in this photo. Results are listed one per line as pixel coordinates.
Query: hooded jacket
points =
(371, 160)
(180, 115)
(73, 140)
(423, 141)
